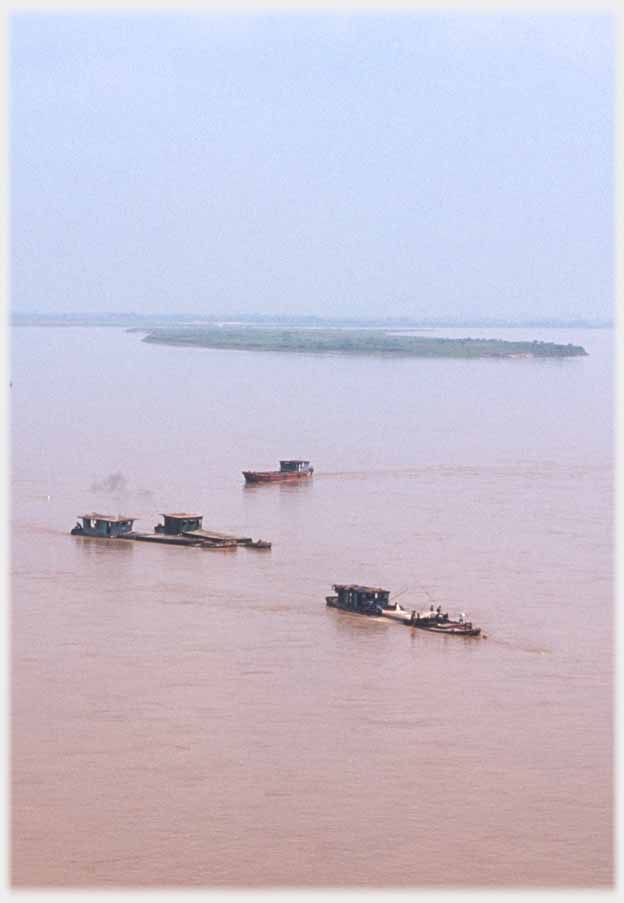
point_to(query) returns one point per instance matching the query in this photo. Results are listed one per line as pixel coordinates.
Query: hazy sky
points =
(389, 164)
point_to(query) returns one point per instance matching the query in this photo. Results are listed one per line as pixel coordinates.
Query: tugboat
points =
(289, 471)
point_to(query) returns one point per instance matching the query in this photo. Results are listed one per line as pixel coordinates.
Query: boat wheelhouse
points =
(296, 466)
(364, 600)
(291, 469)
(179, 523)
(105, 525)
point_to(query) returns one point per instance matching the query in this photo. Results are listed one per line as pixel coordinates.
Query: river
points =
(192, 718)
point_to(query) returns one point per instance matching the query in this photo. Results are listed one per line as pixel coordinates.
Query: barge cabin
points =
(177, 524)
(302, 468)
(364, 600)
(107, 525)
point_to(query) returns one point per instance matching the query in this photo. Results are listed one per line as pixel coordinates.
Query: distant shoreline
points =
(146, 322)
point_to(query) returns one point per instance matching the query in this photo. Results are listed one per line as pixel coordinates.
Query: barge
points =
(374, 601)
(178, 529)
(110, 526)
(189, 527)
(289, 471)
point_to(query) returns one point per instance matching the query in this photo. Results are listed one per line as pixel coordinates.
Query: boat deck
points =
(427, 621)
(164, 539)
(216, 536)
(399, 615)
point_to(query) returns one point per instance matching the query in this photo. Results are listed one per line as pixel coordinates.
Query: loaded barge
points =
(289, 471)
(374, 601)
(190, 526)
(178, 529)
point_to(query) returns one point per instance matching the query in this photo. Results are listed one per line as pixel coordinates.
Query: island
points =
(352, 341)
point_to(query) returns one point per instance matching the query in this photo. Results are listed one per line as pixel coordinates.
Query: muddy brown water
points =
(190, 718)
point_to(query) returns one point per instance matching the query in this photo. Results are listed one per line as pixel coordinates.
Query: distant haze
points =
(402, 165)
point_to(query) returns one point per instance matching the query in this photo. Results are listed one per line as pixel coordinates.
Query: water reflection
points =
(100, 547)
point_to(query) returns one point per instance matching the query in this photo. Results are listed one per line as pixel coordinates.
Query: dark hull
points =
(161, 538)
(274, 476)
(332, 602)
(92, 534)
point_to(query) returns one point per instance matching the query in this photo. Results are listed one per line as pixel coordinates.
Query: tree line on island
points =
(354, 341)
